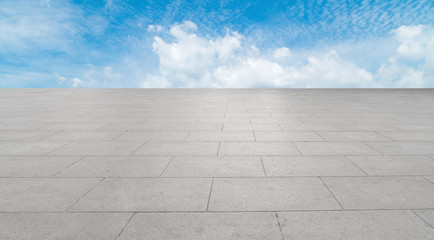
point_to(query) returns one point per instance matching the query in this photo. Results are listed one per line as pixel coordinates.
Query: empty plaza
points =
(217, 164)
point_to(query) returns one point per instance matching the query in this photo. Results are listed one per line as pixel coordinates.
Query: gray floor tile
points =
(133, 126)
(395, 165)
(147, 194)
(287, 136)
(403, 148)
(74, 126)
(34, 166)
(152, 136)
(310, 166)
(84, 136)
(352, 136)
(427, 215)
(382, 192)
(410, 136)
(28, 136)
(335, 148)
(208, 226)
(193, 127)
(108, 166)
(42, 194)
(251, 127)
(71, 226)
(354, 225)
(217, 136)
(98, 148)
(293, 127)
(354, 127)
(29, 148)
(214, 167)
(178, 148)
(257, 148)
(270, 194)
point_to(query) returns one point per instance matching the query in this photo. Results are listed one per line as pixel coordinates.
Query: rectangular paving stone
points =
(147, 194)
(42, 194)
(84, 136)
(352, 136)
(270, 194)
(178, 148)
(74, 126)
(395, 165)
(354, 127)
(217, 136)
(29, 148)
(71, 226)
(186, 226)
(403, 148)
(287, 136)
(410, 136)
(294, 127)
(152, 136)
(192, 127)
(251, 127)
(34, 166)
(310, 166)
(257, 148)
(208, 166)
(133, 126)
(98, 148)
(352, 225)
(382, 192)
(109, 166)
(28, 136)
(335, 148)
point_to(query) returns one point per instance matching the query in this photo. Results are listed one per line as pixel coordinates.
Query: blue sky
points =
(60, 43)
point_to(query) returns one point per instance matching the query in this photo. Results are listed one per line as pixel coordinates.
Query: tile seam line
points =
(331, 193)
(426, 222)
(128, 222)
(69, 166)
(280, 226)
(161, 174)
(67, 210)
(209, 196)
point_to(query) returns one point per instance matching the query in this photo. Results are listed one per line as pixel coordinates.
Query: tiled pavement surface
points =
(216, 164)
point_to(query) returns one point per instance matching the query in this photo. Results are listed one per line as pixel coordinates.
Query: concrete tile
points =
(257, 148)
(352, 225)
(270, 194)
(34, 166)
(42, 194)
(28, 136)
(310, 166)
(84, 136)
(251, 127)
(414, 127)
(217, 136)
(98, 148)
(29, 148)
(354, 127)
(427, 215)
(214, 167)
(224, 120)
(403, 148)
(395, 165)
(178, 148)
(202, 226)
(335, 148)
(410, 136)
(74, 126)
(382, 192)
(193, 127)
(71, 226)
(287, 136)
(256, 120)
(147, 194)
(293, 127)
(24, 126)
(108, 166)
(152, 136)
(133, 126)
(352, 136)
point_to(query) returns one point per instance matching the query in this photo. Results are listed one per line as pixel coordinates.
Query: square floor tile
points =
(214, 167)
(352, 225)
(270, 194)
(382, 192)
(42, 194)
(189, 226)
(147, 194)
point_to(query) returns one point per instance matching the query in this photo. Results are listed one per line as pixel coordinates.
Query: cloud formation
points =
(189, 60)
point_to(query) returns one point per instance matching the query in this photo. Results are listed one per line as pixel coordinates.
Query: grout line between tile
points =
(263, 168)
(280, 226)
(84, 195)
(128, 222)
(332, 193)
(69, 166)
(209, 196)
(161, 174)
(422, 219)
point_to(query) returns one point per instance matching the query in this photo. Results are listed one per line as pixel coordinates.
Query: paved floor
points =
(216, 164)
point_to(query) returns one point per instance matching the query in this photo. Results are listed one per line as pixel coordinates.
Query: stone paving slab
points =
(216, 164)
